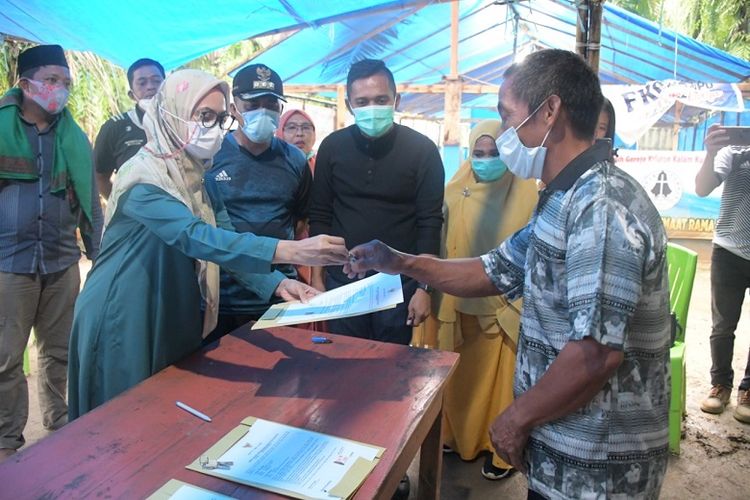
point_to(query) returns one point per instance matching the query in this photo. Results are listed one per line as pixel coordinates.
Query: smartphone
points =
(738, 136)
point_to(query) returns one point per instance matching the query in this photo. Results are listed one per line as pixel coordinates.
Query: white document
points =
(294, 460)
(376, 293)
(178, 490)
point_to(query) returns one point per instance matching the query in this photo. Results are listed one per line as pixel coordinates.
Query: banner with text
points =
(639, 107)
(669, 179)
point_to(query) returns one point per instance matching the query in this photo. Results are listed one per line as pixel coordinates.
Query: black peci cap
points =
(257, 80)
(41, 55)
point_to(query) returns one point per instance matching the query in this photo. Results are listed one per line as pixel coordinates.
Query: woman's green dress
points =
(139, 310)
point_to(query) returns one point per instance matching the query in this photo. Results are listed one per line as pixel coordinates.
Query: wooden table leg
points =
(431, 461)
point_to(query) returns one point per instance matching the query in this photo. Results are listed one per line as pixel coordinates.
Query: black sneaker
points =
(402, 491)
(448, 449)
(489, 471)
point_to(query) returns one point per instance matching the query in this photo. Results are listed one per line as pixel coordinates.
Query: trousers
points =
(45, 303)
(730, 280)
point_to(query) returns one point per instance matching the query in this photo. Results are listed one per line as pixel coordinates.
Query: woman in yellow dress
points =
(484, 205)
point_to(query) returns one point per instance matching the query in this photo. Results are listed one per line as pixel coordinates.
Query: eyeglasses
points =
(293, 128)
(210, 119)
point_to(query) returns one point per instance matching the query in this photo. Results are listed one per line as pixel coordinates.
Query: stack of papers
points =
(376, 293)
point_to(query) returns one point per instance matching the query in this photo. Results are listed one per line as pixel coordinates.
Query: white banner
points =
(638, 107)
(669, 179)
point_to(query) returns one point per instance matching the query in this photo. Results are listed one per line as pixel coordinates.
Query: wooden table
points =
(383, 394)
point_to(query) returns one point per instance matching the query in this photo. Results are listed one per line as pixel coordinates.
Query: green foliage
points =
(220, 62)
(100, 90)
(723, 24)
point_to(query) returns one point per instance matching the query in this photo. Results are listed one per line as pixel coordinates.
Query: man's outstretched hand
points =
(373, 255)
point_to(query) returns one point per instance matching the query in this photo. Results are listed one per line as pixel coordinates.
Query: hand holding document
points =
(376, 293)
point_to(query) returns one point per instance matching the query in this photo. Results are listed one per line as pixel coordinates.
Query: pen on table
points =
(321, 340)
(193, 411)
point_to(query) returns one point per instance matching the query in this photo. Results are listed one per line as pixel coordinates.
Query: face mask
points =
(373, 121)
(260, 124)
(204, 142)
(488, 169)
(522, 161)
(51, 98)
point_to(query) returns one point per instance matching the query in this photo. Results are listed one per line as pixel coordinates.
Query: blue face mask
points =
(373, 121)
(488, 169)
(260, 124)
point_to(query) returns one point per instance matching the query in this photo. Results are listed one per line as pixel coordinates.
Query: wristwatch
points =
(424, 286)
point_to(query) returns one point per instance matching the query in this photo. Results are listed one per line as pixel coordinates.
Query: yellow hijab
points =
(164, 163)
(478, 217)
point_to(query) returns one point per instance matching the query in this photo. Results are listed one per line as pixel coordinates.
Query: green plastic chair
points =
(682, 263)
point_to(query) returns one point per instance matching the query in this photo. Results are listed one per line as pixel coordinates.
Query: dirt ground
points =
(715, 453)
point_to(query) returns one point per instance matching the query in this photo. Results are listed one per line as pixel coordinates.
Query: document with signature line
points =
(376, 293)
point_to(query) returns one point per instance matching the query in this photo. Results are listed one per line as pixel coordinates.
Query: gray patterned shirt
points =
(592, 263)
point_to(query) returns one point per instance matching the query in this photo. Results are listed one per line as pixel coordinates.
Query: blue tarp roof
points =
(173, 32)
(412, 36)
(416, 46)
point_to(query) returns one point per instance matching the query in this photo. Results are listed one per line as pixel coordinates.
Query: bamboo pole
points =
(593, 47)
(403, 88)
(582, 27)
(676, 125)
(452, 135)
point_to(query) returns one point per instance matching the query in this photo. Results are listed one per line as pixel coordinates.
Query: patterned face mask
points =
(51, 98)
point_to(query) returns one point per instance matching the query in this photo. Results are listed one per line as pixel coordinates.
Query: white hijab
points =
(164, 163)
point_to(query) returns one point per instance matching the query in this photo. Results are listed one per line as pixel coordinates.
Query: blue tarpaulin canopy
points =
(413, 37)
(173, 32)
(416, 46)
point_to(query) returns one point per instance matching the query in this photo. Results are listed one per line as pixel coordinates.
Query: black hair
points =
(610, 110)
(566, 75)
(366, 68)
(141, 63)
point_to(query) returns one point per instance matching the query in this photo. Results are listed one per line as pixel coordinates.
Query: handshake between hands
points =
(325, 250)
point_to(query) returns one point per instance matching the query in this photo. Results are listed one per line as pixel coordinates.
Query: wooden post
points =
(582, 27)
(676, 126)
(341, 109)
(452, 135)
(593, 47)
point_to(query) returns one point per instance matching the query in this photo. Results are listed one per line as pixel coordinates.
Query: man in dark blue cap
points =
(47, 192)
(262, 184)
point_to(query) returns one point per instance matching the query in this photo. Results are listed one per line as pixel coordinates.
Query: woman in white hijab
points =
(140, 308)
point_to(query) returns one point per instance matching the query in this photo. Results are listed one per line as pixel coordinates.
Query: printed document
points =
(376, 293)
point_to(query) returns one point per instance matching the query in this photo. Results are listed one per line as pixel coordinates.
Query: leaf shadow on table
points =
(391, 374)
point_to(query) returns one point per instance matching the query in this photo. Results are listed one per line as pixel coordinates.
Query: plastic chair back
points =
(682, 263)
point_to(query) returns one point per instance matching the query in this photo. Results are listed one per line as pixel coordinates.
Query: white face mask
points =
(260, 124)
(204, 142)
(522, 161)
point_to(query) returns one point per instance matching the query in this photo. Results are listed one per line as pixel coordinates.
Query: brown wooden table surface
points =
(382, 394)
